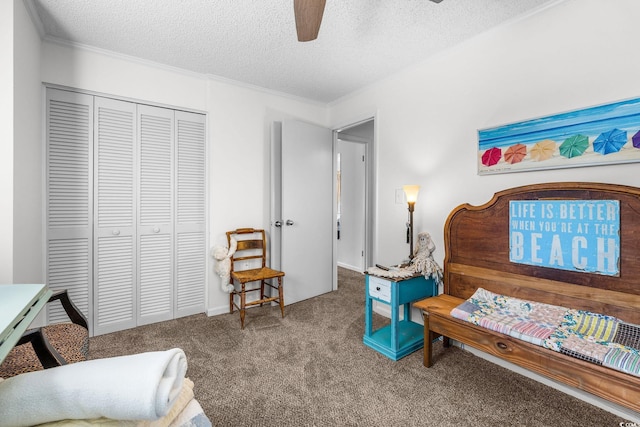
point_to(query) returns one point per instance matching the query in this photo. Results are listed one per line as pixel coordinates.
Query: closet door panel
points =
(156, 217)
(69, 206)
(125, 210)
(191, 249)
(115, 295)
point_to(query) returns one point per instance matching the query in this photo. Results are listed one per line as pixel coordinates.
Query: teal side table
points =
(398, 338)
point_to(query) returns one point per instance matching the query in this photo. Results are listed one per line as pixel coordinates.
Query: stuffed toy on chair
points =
(223, 266)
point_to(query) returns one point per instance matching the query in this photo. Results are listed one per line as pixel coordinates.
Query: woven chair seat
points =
(256, 274)
(68, 339)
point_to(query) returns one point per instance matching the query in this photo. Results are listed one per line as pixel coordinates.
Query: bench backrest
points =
(477, 253)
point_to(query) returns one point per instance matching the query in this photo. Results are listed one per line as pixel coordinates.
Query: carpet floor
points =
(312, 369)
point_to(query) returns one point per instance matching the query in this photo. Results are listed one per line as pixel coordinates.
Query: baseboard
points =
(214, 311)
(350, 267)
(618, 410)
(224, 309)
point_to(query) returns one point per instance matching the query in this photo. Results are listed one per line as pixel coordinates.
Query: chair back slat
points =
(249, 247)
(250, 244)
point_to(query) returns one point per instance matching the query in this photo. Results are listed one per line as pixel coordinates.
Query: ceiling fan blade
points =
(308, 18)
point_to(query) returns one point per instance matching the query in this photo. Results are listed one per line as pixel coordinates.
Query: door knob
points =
(289, 222)
(278, 223)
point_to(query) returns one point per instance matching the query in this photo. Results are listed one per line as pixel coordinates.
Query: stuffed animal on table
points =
(223, 255)
(423, 261)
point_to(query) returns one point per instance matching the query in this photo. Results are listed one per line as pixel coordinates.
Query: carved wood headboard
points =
(477, 253)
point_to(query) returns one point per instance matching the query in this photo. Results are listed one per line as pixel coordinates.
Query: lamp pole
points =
(412, 206)
(411, 192)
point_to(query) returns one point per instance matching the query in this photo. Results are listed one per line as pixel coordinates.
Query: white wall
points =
(6, 140)
(27, 139)
(238, 130)
(575, 54)
(563, 58)
(427, 117)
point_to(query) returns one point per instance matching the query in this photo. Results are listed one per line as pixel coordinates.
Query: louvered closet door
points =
(191, 249)
(69, 170)
(155, 214)
(115, 292)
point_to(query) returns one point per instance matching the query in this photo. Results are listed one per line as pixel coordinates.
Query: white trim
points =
(334, 212)
(32, 10)
(371, 181)
(35, 17)
(344, 136)
(178, 70)
(217, 311)
(122, 98)
(264, 90)
(350, 267)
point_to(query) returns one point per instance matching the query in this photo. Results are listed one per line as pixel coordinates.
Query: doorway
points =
(303, 161)
(354, 157)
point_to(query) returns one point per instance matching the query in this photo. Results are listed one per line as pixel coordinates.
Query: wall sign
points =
(599, 135)
(576, 235)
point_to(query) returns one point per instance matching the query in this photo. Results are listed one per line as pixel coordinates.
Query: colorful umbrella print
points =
(610, 141)
(515, 153)
(491, 156)
(574, 146)
(543, 150)
(636, 139)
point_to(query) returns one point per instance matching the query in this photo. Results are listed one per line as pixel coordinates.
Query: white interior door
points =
(191, 216)
(155, 232)
(307, 208)
(125, 209)
(351, 240)
(69, 206)
(115, 259)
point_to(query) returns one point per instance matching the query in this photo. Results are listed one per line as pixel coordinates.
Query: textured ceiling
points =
(254, 41)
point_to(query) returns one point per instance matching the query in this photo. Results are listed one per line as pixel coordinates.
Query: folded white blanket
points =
(180, 405)
(136, 387)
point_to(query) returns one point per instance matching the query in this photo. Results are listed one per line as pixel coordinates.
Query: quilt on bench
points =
(597, 338)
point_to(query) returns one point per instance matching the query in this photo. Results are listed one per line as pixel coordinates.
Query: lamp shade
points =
(411, 192)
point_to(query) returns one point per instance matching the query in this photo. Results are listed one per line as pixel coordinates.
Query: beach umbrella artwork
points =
(610, 141)
(543, 150)
(515, 153)
(635, 139)
(574, 146)
(491, 156)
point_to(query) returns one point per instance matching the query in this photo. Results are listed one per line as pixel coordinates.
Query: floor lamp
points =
(411, 193)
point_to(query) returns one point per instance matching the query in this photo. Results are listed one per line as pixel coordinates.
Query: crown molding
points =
(35, 17)
(178, 70)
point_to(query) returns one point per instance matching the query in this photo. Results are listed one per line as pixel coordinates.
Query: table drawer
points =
(380, 288)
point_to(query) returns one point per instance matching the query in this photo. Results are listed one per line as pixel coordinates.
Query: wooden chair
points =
(49, 346)
(249, 264)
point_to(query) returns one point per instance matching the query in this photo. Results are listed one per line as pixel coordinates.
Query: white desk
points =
(19, 305)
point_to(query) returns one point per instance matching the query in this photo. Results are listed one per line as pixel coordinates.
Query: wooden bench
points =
(477, 256)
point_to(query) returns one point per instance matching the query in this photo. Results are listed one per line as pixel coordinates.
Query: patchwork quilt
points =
(597, 338)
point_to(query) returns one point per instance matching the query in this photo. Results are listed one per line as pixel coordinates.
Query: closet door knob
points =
(156, 229)
(115, 232)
